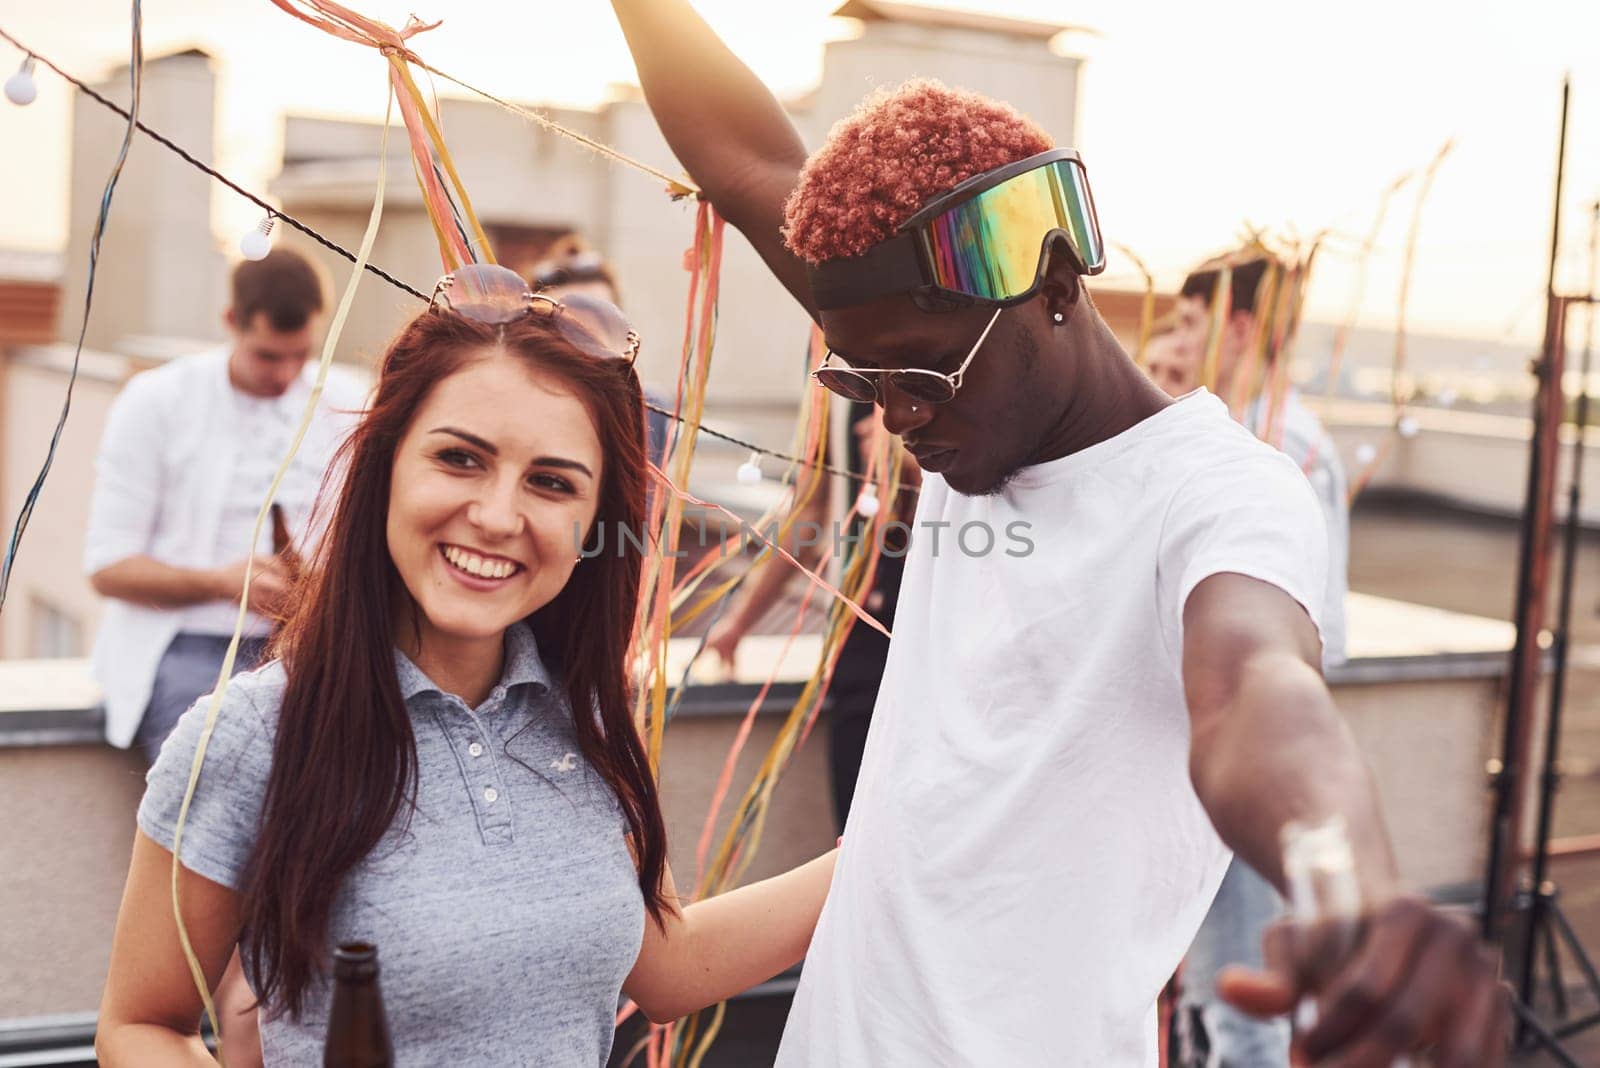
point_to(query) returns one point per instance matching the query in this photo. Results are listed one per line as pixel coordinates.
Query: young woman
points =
(442, 759)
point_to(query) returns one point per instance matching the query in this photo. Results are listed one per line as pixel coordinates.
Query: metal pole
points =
(1551, 777)
(1532, 567)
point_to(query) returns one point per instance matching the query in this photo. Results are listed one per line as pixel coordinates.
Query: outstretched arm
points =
(1268, 746)
(722, 123)
(715, 948)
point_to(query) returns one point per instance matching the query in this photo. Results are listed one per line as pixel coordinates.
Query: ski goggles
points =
(494, 295)
(983, 241)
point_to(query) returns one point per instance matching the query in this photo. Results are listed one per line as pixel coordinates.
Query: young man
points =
(1246, 903)
(1031, 847)
(188, 453)
(1167, 362)
(1294, 428)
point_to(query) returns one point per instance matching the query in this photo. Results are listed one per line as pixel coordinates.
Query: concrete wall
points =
(1478, 460)
(48, 568)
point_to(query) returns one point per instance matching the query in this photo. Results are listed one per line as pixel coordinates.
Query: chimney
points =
(160, 273)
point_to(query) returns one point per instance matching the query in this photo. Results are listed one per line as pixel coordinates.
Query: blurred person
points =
(1170, 366)
(441, 757)
(1246, 903)
(572, 267)
(1300, 434)
(857, 672)
(1067, 740)
(188, 453)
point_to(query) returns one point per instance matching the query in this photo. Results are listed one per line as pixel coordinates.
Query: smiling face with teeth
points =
(498, 468)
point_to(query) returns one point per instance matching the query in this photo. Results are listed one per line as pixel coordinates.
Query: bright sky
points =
(1195, 118)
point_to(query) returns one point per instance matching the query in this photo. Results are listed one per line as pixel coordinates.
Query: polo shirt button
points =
(476, 750)
(491, 795)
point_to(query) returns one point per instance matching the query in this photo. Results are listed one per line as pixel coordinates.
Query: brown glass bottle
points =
(358, 1032)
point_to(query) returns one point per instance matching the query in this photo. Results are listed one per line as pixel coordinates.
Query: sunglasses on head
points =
(984, 241)
(494, 295)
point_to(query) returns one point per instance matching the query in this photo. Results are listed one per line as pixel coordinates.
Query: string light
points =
(1407, 426)
(867, 504)
(750, 471)
(1366, 452)
(21, 89)
(255, 244)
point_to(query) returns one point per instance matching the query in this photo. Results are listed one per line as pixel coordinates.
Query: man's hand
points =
(1411, 979)
(269, 584)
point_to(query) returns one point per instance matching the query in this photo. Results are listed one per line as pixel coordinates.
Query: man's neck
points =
(1118, 397)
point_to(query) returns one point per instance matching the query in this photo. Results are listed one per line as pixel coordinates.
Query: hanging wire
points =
(135, 79)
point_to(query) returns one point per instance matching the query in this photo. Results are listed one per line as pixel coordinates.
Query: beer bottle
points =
(358, 1033)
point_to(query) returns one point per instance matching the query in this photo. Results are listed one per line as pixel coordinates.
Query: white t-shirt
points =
(261, 430)
(1026, 861)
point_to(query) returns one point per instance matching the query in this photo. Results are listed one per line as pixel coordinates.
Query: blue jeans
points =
(187, 672)
(1231, 934)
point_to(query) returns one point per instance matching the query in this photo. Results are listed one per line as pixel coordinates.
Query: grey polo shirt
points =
(506, 916)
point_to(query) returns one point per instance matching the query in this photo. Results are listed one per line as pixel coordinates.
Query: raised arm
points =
(722, 123)
(1268, 746)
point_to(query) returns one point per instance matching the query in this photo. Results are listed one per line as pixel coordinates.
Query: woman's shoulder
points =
(220, 756)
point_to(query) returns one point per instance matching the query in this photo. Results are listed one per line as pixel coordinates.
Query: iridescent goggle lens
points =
(991, 246)
(494, 295)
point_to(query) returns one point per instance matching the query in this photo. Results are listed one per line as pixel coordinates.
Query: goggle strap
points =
(887, 268)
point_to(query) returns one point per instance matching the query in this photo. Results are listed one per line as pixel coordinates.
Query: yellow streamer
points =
(226, 674)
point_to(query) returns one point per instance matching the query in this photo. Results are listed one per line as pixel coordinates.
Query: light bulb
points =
(867, 504)
(750, 471)
(1366, 452)
(1407, 426)
(258, 242)
(21, 89)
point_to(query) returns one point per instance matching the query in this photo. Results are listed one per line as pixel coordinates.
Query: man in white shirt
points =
(1105, 661)
(1246, 904)
(187, 456)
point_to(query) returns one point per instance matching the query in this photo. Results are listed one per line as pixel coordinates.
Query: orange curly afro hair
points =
(900, 149)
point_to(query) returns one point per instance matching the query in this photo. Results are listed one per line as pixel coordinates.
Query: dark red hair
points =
(345, 760)
(897, 151)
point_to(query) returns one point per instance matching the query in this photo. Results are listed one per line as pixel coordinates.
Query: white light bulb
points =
(867, 504)
(21, 89)
(258, 242)
(1407, 426)
(750, 471)
(1366, 452)
(1446, 398)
